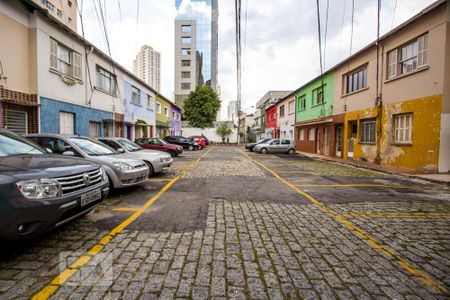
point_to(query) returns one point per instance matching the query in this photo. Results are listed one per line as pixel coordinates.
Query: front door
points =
(326, 141)
(352, 133)
(318, 140)
(338, 141)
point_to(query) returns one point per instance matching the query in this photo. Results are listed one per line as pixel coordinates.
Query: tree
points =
(201, 107)
(224, 131)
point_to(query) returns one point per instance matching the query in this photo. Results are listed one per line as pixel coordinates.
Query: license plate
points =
(90, 197)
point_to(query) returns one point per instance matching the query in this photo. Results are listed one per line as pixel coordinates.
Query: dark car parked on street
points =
(161, 145)
(183, 142)
(41, 191)
(251, 146)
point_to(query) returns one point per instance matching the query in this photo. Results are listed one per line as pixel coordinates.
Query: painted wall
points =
(141, 111)
(271, 116)
(160, 117)
(210, 134)
(422, 154)
(311, 110)
(49, 115)
(175, 123)
(286, 124)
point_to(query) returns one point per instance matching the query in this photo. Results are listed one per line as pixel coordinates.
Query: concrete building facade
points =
(147, 66)
(286, 117)
(65, 11)
(232, 113)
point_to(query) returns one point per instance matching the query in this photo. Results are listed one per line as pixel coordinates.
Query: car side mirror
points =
(68, 153)
(48, 150)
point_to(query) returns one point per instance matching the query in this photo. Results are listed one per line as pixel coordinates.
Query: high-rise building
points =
(196, 43)
(232, 111)
(65, 11)
(147, 66)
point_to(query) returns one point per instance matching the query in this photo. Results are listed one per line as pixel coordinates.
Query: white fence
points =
(210, 134)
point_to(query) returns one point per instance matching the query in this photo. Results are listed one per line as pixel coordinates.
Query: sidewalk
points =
(438, 178)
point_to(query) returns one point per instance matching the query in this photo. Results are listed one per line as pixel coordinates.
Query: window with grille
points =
(403, 128)
(368, 131)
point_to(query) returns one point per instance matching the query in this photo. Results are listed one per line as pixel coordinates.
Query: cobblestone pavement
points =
(229, 229)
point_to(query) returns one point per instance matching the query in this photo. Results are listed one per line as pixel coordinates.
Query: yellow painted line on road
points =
(357, 231)
(125, 209)
(159, 179)
(47, 291)
(427, 187)
(398, 215)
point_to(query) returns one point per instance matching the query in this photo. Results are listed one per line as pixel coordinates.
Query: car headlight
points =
(122, 166)
(104, 176)
(40, 188)
(165, 158)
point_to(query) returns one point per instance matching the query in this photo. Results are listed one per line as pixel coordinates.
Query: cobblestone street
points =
(225, 223)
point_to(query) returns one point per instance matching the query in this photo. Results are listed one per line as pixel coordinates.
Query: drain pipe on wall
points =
(379, 99)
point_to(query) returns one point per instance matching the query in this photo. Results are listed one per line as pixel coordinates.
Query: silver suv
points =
(276, 146)
(121, 170)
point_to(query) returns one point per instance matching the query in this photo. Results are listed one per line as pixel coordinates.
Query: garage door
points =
(66, 123)
(16, 121)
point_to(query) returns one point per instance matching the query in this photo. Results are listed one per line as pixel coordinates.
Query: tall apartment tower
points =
(147, 66)
(196, 44)
(64, 11)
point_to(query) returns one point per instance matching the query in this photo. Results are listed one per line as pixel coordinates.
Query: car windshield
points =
(263, 141)
(162, 141)
(11, 144)
(92, 148)
(129, 145)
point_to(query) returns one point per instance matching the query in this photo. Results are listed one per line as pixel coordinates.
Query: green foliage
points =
(224, 131)
(201, 107)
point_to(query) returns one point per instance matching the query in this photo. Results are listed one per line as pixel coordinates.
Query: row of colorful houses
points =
(52, 80)
(392, 108)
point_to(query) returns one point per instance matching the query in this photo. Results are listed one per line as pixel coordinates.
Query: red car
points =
(161, 145)
(198, 140)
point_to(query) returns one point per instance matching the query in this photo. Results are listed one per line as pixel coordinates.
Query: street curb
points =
(370, 168)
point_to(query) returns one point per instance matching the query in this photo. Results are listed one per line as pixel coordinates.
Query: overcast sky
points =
(280, 42)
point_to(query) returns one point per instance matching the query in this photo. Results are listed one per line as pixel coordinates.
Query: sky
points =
(280, 49)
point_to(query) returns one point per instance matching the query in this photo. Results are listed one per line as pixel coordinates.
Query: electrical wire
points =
(120, 10)
(352, 24)
(393, 14)
(342, 27)
(325, 38)
(137, 24)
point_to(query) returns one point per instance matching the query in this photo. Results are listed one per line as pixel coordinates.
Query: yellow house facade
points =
(395, 109)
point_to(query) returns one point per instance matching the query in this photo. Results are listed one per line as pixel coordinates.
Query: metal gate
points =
(16, 121)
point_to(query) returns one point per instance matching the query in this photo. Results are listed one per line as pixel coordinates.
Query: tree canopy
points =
(201, 107)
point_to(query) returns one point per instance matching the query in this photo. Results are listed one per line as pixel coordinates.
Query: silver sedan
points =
(276, 146)
(157, 161)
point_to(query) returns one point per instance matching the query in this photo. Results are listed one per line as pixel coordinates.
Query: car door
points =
(274, 145)
(284, 147)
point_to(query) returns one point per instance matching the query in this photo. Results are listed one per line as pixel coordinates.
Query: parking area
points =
(223, 222)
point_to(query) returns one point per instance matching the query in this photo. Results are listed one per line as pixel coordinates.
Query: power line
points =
(325, 38)
(120, 10)
(319, 34)
(393, 14)
(342, 27)
(351, 33)
(137, 23)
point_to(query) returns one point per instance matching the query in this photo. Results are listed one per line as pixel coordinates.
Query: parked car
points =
(203, 137)
(122, 171)
(198, 140)
(183, 142)
(276, 146)
(157, 161)
(250, 146)
(41, 191)
(160, 145)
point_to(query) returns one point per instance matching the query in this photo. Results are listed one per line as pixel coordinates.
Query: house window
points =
(158, 107)
(94, 129)
(64, 60)
(186, 28)
(302, 103)
(185, 85)
(185, 74)
(69, 3)
(282, 111)
(317, 96)
(59, 13)
(149, 102)
(368, 131)
(178, 116)
(173, 115)
(403, 128)
(70, 20)
(408, 57)
(66, 123)
(185, 51)
(49, 6)
(301, 135)
(135, 95)
(291, 107)
(185, 63)
(311, 134)
(185, 39)
(166, 111)
(106, 81)
(356, 80)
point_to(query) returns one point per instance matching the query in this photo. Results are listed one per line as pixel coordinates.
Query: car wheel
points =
(172, 153)
(151, 171)
(291, 151)
(251, 150)
(263, 150)
(191, 148)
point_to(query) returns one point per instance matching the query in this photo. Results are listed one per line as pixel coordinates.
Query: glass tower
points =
(195, 46)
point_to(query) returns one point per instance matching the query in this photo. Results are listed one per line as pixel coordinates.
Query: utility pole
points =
(237, 4)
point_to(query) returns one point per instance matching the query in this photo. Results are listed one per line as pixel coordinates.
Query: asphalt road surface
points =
(225, 223)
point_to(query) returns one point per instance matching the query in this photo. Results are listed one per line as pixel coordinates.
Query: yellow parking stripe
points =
(357, 231)
(125, 209)
(398, 215)
(371, 185)
(159, 179)
(65, 275)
